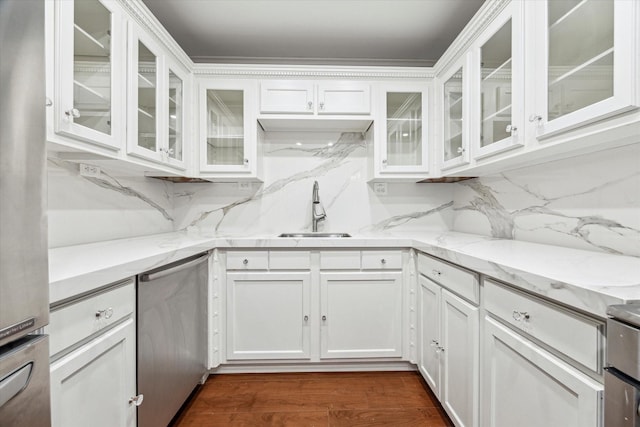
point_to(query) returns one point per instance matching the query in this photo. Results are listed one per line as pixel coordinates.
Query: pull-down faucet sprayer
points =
(317, 211)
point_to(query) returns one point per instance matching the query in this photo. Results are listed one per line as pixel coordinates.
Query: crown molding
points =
(139, 12)
(343, 62)
(312, 71)
(487, 13)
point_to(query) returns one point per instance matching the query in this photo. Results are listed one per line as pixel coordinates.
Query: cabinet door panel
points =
(460, 355)
(429, 312)
(93, 384)
(266, 315)
(286, 97)
(361, 315)
(525, 386)
(344, 98)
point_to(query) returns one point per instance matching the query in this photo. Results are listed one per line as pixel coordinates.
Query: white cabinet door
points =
(429, 324)
(287, 97)
(459, 354)
(498, 82)
(90, 72)
(401, 131)
(454, 91)
(268, 315)
(92, 385)
(586, 58)
(344, 98)
(361, 314)
(525, 386)
(228, 127)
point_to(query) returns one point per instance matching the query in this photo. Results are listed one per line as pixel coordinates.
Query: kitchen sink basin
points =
(305, 235)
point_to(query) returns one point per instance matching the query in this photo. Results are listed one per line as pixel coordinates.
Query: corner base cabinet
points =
(526, 386)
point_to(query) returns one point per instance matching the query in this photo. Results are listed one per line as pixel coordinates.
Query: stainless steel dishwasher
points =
(171, 337)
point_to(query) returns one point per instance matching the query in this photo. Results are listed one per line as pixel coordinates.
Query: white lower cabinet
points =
(92, 385)
(526, 386)
(449, 350)
(268, 315)
(361, 314)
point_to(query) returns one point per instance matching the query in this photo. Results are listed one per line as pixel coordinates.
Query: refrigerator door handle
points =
(14, 383)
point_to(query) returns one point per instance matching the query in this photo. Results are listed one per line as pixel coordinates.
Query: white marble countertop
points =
(585, 280)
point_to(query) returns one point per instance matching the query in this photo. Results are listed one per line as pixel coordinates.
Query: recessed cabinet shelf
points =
(605, 66)
(87, 45)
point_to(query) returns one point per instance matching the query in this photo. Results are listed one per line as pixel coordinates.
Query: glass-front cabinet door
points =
(401, 138)
(157, 99)
(454, 93)
(498, 59)
(588, 63)
(89, 73)
(228, 127)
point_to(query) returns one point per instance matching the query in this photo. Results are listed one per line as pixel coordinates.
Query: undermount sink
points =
(304, 235)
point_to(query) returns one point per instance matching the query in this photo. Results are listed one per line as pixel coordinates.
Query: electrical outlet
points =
(380, 188)
(89, 170)
(244, 185)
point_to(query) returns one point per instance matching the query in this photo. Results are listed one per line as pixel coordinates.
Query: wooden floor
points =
(314, 399)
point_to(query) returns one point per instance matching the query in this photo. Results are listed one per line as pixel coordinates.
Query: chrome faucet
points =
(317, 211)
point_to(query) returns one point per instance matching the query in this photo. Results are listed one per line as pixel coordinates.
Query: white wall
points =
(588, 202)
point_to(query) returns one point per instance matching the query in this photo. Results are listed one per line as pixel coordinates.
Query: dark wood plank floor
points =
(314, 399)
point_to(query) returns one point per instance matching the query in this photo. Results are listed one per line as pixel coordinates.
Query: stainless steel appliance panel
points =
(24, 383)
(623, 348)
(24, 281)
(622, 401)
(172, 341)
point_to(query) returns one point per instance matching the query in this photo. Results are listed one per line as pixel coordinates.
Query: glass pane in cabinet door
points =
(175, 116)
(225, 127)
(453, 116)
(404, 129)
(147, 71)
(495, 72)
(92, 65)
(580, 41)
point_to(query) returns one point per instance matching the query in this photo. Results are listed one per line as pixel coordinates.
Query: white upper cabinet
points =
(309, 97)
(228, 127)
(453, 87)
(586, 62)
(89, 82)
(498, 75)
(156, 100)
(400, 136)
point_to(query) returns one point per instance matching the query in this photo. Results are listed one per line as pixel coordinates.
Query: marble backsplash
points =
(292, 162)
(588, 202)
(86, 209)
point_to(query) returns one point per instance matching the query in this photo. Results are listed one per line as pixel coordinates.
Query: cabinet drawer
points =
(76, 321)
(289, 260)
(463, 282)
(247, 260)
(381, 260)
(340, 260)
(572, 334)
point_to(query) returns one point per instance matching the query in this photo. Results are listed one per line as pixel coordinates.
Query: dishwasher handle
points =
(147, 277)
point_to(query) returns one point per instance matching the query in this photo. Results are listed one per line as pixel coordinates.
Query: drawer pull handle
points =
(137, 400)
(437, 273)
(519, 316)
(383, 261)
(106, 313)
(245, 262)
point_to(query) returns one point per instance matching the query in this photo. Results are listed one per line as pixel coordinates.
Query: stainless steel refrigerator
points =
(24, 287)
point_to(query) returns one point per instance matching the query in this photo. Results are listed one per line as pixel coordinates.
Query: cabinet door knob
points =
(437, 273)
(48, 102)
(324, 318)
(383, 261)
(535, 118)
(74, 112)
(246, 161)
(519, 316)
(245, 261)
(309, 105)
(106, 313)
(306, 318)
(322, 105)
(136, 400)
(460, 150)
(434, 343)
(511, 129)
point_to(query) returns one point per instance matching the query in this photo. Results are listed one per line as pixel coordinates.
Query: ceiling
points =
(319, 32)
